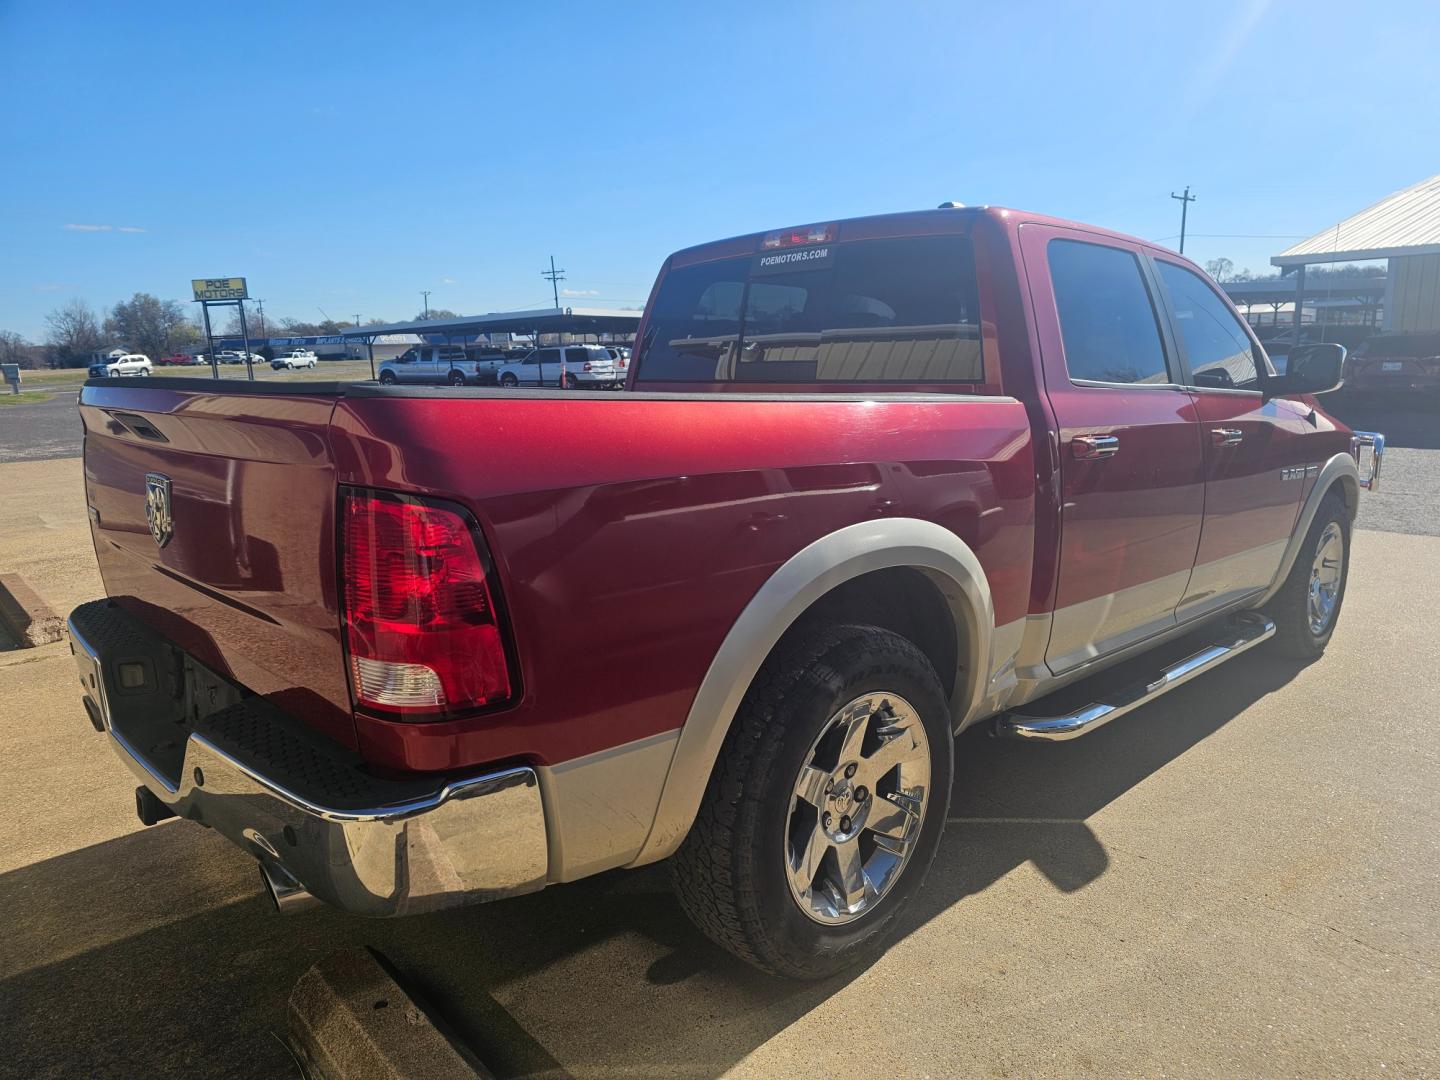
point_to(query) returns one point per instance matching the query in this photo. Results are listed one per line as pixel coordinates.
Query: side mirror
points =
(1310, 369)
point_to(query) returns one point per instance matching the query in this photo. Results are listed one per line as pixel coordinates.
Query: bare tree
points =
(1220, 268)
(14, 349)
(435, 313)
(74, 333)
(296, 328)
(151, 326)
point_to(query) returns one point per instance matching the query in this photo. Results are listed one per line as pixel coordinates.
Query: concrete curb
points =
(25, 616)
(350, 1020)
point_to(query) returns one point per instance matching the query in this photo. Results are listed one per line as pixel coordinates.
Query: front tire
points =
(826, 805)
(509, 381)
(1307, 606)
(387, 378)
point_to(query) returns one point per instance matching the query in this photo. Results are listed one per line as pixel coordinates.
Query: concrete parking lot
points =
(1237, 880)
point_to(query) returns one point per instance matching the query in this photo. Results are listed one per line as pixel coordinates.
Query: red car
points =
(177, 360)
(1395, 364)
(875, 481)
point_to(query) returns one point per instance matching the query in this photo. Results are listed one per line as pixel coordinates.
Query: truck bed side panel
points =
(630, 532)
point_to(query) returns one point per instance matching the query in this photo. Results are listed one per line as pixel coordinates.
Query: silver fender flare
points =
(786, 595)
(1340, 471)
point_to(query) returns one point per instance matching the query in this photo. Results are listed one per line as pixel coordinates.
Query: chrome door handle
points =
(1094, 447)
(1226, 436)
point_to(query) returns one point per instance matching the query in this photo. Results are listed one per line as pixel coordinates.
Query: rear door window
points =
(895, 310)
(1107, 322)
(1219, 350)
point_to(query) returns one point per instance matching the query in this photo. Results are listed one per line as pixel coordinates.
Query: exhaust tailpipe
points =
(287, 894)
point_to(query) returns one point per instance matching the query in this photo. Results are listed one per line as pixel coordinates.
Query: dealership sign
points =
(225, 288)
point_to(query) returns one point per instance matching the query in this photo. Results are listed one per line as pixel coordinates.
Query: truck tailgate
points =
(246, 579)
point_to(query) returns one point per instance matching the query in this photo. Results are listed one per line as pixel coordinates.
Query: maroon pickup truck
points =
(875, 481)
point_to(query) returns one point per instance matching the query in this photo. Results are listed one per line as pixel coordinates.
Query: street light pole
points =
(1185, 201)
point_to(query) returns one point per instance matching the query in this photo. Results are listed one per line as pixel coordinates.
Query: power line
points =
(1240, 236)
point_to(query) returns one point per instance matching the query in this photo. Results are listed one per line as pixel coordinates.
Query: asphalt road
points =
(42, 430)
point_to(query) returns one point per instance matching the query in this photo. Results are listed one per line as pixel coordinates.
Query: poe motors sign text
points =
(225, 288)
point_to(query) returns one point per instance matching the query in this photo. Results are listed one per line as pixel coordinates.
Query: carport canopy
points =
(578, 321)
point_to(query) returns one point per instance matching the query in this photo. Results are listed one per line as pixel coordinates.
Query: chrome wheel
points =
(1325, 578)
(857, 808)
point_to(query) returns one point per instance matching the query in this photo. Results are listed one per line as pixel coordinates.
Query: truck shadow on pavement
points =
(154, 954)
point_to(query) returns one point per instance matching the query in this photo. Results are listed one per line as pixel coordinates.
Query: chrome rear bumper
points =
(367, 845)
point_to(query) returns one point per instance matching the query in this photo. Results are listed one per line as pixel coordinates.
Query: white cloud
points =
(579, 292)
(106, 228)
(447, 281)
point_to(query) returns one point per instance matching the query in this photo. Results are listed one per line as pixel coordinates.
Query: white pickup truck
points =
(295, 358)
(454, 365)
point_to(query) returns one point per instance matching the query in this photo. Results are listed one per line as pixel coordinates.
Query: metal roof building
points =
(1405, 229)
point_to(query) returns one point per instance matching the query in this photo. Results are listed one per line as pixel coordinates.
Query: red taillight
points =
(806, 234)
(421, 628)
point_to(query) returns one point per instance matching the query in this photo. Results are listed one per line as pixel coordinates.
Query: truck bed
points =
(627, 530)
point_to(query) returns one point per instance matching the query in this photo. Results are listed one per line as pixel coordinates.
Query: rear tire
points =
(1307, 606)
(456, 379)
(763, 871)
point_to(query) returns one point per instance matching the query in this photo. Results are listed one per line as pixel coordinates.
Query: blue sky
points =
(345, 157)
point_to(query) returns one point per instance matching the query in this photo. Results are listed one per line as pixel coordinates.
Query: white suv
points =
(586, 367)
(129, 364)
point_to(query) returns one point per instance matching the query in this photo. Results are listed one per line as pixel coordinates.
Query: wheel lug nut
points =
(844, 824)
(861, 794)
(850, 770)
(825, 819)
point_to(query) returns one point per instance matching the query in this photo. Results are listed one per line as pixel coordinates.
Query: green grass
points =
(25, 397)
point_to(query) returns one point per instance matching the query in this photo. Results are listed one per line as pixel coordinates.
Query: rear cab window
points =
(892, 310)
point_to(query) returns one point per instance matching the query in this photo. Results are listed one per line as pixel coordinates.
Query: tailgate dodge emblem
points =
(157, 507)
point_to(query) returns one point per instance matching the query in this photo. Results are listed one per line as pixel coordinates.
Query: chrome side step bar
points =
(1239, 635)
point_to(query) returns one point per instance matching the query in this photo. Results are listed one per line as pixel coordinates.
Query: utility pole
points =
(1185, 201)
(555, 276)
(357, 322)
(426, 294)
(262, 318)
